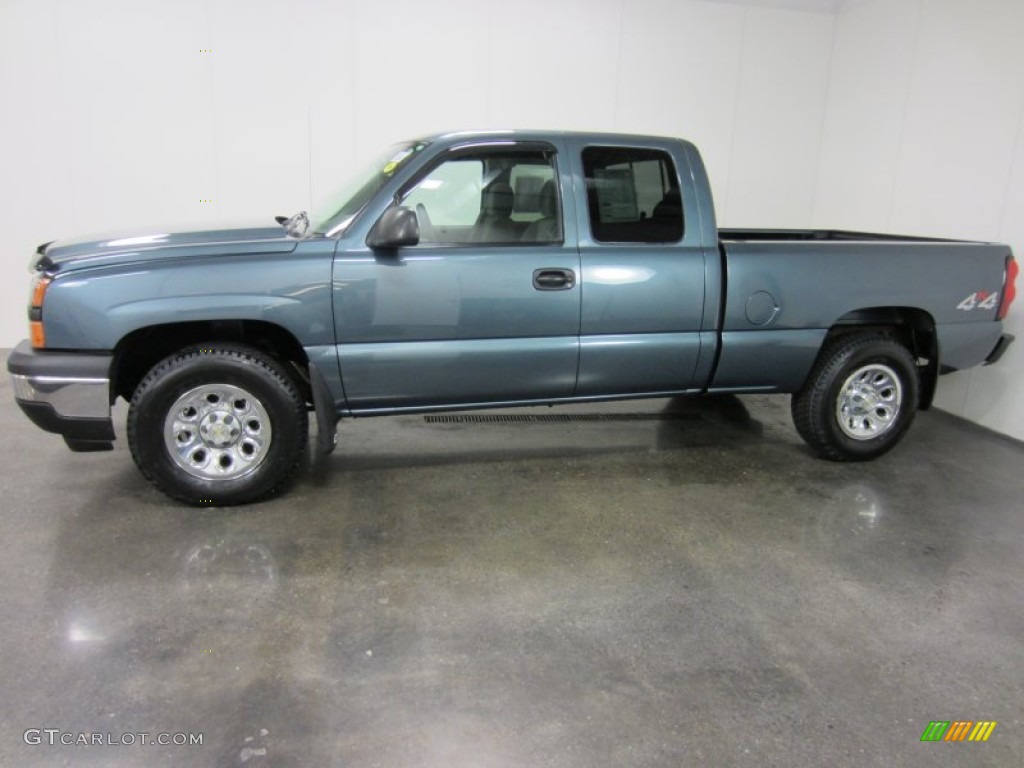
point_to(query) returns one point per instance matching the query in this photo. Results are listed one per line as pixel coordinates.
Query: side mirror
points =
(397, 228)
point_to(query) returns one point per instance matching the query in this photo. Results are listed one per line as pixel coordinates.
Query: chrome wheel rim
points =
(217, 432)
(869, 402)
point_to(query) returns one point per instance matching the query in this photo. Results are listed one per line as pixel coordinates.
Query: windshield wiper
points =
(295, 226)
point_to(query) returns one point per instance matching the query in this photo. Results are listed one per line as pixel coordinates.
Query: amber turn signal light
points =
(35, 329)
(39, 291)
(35, 311)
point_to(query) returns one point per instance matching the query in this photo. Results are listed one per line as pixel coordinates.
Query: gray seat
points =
(545, 229)
(494, 225)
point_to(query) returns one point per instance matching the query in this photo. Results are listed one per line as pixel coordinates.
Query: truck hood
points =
(151, 244)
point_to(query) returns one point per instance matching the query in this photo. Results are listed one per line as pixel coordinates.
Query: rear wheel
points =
(221, 424)
(860, 398)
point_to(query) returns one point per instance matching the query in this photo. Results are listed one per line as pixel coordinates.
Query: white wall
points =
(924, 134)
(902, 115)
(113, 117)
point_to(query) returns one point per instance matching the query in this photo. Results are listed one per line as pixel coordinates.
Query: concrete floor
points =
(696, 590)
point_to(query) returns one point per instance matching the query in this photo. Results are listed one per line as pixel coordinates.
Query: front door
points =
(486, 308)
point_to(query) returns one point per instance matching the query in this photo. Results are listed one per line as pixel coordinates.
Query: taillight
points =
(1009, 287)
(35, 311)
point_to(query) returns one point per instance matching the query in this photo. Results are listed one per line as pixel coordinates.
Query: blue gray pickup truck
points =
(479, 270)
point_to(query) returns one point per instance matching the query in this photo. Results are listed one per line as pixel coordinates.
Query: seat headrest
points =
(670, 207)
(548, 200)
(498, 199)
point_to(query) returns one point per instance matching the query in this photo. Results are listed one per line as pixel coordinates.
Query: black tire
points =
(250, 408)
(880, 404)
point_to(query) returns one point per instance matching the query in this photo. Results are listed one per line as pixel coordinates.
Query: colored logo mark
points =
(958, 730)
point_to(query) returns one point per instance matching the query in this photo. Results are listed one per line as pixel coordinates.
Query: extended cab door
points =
(643, 271)
(485, 309)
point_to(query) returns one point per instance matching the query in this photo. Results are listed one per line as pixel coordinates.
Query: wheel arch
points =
(912, 327)
(137, 352)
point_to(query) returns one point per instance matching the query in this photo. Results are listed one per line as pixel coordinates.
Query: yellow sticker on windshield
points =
(396, 161)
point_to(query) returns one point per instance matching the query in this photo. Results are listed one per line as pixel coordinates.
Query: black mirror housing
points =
(398, 227)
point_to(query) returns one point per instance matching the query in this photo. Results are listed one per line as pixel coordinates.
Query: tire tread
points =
(808, 403)
(239, 352)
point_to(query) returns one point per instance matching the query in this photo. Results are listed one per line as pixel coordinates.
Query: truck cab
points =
(546, 268)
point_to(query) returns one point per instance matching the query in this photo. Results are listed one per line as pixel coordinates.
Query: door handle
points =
(551, 279)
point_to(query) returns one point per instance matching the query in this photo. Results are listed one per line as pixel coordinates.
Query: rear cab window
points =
(633, 195)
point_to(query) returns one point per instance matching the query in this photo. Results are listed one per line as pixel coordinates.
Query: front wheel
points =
(220, 425)
(860, 398)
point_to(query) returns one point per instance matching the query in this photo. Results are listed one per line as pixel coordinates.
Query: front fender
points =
(95, 309)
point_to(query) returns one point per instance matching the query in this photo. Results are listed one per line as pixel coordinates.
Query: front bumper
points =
(65, 392)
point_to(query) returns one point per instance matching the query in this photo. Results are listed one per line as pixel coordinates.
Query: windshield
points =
(335, 214)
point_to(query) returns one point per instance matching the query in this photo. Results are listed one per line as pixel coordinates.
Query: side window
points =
(493, 197)
(451, 194)
(633, 195)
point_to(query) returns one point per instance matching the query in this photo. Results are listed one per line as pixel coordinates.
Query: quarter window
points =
(491, 197)
(633, 195)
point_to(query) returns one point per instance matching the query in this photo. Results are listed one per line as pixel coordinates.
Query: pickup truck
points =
(490, 269)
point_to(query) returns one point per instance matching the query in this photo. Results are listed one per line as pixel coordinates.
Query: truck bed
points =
(796, 235)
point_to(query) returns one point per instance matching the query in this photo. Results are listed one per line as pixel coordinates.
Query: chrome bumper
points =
(65, 392)
(69, 397)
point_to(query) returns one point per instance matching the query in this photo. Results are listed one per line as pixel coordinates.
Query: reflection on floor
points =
(649, 591)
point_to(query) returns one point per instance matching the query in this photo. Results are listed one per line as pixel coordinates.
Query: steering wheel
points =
(426, 227)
